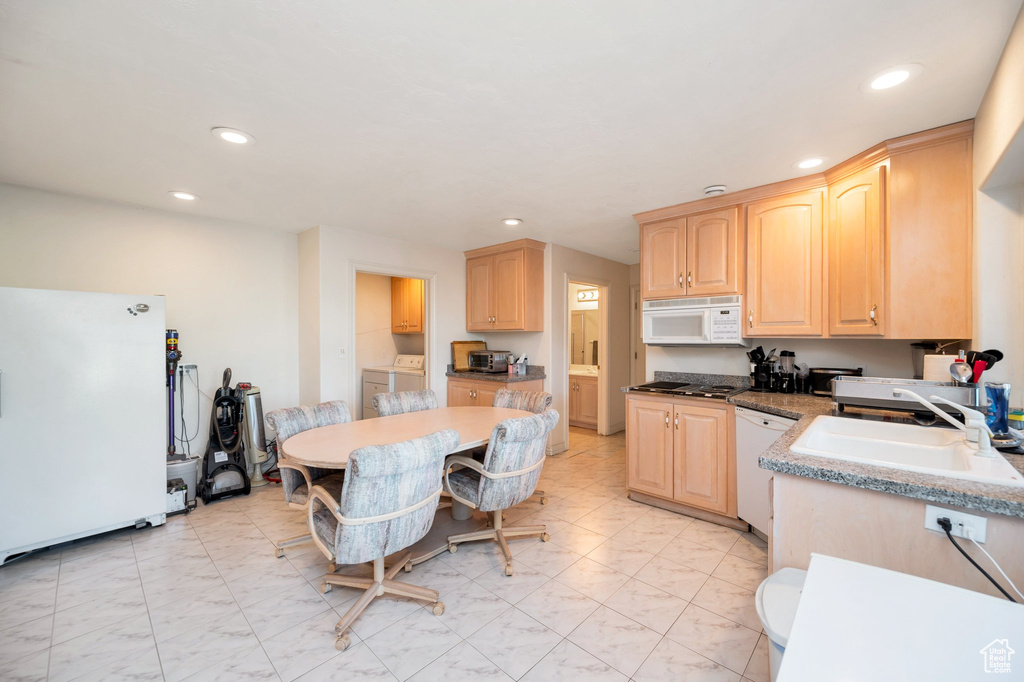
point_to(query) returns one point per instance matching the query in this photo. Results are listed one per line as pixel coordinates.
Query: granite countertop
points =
(533, 372)
(996, 499)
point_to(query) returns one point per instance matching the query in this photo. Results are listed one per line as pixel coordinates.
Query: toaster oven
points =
(493, 361)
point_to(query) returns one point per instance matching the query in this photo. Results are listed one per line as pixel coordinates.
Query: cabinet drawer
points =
(370, 390)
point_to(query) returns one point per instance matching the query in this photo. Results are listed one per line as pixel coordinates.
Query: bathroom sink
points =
(938, 451)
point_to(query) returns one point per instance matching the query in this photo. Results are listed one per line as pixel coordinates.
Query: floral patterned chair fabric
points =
(508, 475)
(296, 479)
(387, 505)
(388, 404)
(530, 401)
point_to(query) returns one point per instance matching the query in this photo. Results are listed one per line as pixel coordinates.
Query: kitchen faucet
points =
(974, 427)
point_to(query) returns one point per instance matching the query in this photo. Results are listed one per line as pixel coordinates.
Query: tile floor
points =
(622, 591)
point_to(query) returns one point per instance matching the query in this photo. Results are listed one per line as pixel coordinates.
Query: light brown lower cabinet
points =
(583, 401)
(480, 392)
(682, 451)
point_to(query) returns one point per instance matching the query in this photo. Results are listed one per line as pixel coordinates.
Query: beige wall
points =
(999, 215)
(231, 289)
(343, 253)
(309, 316)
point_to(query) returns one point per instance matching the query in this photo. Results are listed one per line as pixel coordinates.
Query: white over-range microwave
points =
(714, 321)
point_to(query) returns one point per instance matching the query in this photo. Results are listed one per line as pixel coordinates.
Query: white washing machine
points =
(407, 374)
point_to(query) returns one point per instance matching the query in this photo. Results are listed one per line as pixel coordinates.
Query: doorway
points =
(390, 323)
(585, 347)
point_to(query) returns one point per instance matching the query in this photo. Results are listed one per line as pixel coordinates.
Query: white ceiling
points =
(432, 121)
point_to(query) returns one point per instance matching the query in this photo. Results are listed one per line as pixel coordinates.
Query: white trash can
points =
(777, 598)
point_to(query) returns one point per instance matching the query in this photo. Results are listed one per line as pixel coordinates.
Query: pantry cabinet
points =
(480, 392)
(784, 265)
(682, 451)
(505, 287)
(406, 305)
(856, 292)
(699, 255)
(583, 401)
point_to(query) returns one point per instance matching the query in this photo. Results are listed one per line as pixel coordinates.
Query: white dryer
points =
(407, 374)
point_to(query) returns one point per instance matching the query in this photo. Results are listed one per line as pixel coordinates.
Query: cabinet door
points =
(784, 266)
(509, 310)
(856, 265)
(574, 400)
(701, 458)
(713, 253)
(649, 447)
(485, 393)
(398, 287)
(414, 306)
(662, 254)
(479, 295)
(586, 398)
(460, 394)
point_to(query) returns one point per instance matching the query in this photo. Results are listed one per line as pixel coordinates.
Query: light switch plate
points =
(961, 522)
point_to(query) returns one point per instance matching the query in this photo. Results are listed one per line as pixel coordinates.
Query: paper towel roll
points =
(936, 367)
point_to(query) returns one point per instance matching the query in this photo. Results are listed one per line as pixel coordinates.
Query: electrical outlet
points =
(961, 522)
(341, 352)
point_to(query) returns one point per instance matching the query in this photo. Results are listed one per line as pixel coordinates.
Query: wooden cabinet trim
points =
(506, 246)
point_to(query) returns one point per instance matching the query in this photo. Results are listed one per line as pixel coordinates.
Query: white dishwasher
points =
(755, 433)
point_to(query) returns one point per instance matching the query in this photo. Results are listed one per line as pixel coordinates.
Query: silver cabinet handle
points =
(874, 320)
(666, 420)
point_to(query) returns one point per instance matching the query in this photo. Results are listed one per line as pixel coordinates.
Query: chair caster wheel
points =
(508, 570)
(543, 500)
(544, 537)
(503, 517)
(332, 567)
(453, 548)
(342, 643)
(408, 567)
(279, 552)
(326, 587)
(438, 608)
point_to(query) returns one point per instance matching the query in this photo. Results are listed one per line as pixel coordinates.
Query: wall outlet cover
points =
(961, 522)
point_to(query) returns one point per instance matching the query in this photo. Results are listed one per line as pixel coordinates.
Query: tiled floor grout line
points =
(149, 614)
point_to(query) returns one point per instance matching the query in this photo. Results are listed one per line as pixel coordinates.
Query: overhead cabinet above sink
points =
(861, 250)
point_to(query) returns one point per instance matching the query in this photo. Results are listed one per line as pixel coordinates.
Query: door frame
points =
(429, 318)
(637, 349)
(602, 286)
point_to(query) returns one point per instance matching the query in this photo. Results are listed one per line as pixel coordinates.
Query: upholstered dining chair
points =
(530, 401)
(387, 504)
(507, 476)
(297, 479)
(388, 404)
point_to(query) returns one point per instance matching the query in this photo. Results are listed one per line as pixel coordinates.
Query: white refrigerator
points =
(82, 415)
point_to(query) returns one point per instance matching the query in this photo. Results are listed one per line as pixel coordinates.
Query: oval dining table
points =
(329, 447)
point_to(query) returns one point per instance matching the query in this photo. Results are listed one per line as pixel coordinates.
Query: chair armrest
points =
(285, 463)
(321, 496)
(464, 461)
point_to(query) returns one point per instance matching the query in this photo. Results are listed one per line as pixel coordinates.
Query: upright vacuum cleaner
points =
(173, 354)
(224, 465)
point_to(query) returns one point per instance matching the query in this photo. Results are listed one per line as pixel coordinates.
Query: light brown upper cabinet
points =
(662, 259)
(930, 235)
(505, 287)
(873, 262)
(698, 255)
(713, 253)
(406, 305)
(784, 265)
(856, 288)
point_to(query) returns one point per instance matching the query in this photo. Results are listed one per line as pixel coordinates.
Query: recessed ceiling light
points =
(714, 190)
(512, 222)
(233, 136)
(891, 77)
(810, 162)
(184, 196)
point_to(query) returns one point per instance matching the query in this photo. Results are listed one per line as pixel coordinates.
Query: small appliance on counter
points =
(821, 378)
(878, 393)
(490, 361)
